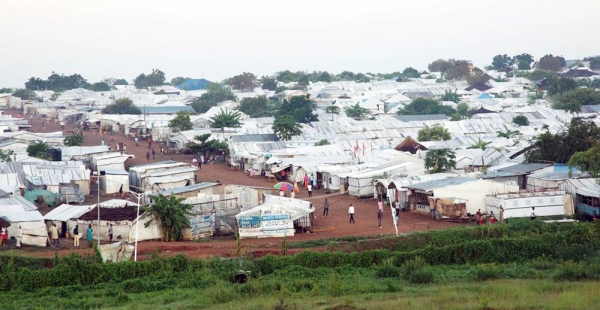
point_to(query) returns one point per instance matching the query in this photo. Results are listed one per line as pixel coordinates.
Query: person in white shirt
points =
(309, 188)
(19, 237)
(281, 193)
(351, 213)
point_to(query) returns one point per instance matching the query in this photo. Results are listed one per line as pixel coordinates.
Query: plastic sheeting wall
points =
(111, 183)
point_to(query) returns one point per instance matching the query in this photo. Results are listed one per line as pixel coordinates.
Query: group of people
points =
(4, 237)
(89, 235)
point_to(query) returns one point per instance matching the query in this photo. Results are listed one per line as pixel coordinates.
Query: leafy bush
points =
(387, 271)
(422, 276)
(487, 272)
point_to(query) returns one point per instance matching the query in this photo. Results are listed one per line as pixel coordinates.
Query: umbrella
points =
(284, 186)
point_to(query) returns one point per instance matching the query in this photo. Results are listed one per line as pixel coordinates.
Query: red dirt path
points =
(335, 225)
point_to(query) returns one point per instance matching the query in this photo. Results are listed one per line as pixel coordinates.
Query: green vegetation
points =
(323, 142)
(256, 107)
(580, 136)
(204, 145)
(182, 121)
(573, 100)
(6, 155)
(525, 264)
(215, 93)
(172, 215)
(25, 94)
(57, 82)
(122, 106)
(156, 78)
(433, 133)
(300, 108)
(244, 82)
(74, 140)
(332, 109)
(521, 120)
(38, 149)
(357, 112)
(440, 160)
(285, 127)
(424, 106)
(551, 63)
(226, 118)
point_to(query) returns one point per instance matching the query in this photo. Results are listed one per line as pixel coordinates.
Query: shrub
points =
(412, 266)
(487, 271)
(387, 271)
(422, 276)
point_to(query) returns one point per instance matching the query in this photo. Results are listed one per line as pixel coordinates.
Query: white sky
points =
(218, 39)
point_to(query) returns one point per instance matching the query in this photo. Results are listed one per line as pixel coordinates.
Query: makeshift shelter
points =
(65, 216)
(361, 183)
(21, 213)
(274, 218)
(520, 204)
(111, 181)
(122, 214)
(110, 161)
(70, 192)
(410, 145)
(42, 196)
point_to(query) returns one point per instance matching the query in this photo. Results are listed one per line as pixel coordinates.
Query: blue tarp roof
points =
(484, 96)
(194, 84)
(167, 110)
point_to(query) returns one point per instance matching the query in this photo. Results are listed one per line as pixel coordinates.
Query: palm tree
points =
(172, 215)
(508, 133)
(227, 118)
(356, 112)
(482, 145)
(333, 109)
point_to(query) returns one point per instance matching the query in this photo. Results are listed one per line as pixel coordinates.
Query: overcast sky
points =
(218, 39)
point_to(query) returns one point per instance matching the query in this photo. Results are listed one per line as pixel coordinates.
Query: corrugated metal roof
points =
(255, 138)
(525, 168)
(189, 188)
(428, 117)
(432, 185)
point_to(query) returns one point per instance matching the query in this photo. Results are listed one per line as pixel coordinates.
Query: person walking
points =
(90, 235)
(148, 156)
(112, 135)
(162, 150)
(501, 219)
(102, 142)
(532, 213)
(149, 143)
(4, 236)
(379, 212)
(121, 193)
(124, 148)
(62, 125)
(153, 154)
(351, 213)
(76, 236)
(305, 180)
(326, 208)
(397, 205)
(54, 234)
(110, 233)
(202, 158)
(309, 188)
(19, 237)
(479, 217)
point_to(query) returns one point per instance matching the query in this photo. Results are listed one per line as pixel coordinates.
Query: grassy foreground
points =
(519, 266)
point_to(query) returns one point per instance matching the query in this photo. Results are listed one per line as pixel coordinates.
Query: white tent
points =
(65, 216)
(31, 222)
(274, 218)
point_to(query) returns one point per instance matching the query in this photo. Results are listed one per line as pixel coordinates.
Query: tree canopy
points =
(581, 135)
(99, 86)
(450, 96)
(202, 144)
(38, 149)
(332, 109)
(524, 61)
(558, 85)
(255, 107)
(269, 83)
(356, 112)
(286, 126)
(74, 140)
(433, 133)
(120, 82)
(244, 82)
(6, 155)
(25, 94)
(215, 93)
(587, 161)
(156, 78)
(521, 120)
(178, 80)
(172, 215)
(551, 63)
(502, 62)
(411, 72)
(182, 121)
(226, 118)
(122, 106)
(300, 108)
(574, 99)
(57, 82)
(452, 69)
(440, 160)
(424, 106)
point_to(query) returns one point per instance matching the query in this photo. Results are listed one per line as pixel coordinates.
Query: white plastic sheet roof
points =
(67, 212)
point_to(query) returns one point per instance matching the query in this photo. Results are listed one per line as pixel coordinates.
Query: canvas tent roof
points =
(432, 185)
(67, 212)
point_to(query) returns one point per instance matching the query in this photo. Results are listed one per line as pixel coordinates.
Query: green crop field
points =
(522, 265)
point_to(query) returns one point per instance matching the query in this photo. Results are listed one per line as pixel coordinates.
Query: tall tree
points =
(551, 63)
(156, 78)
(120, 82)
(462, 109)
(285, 127)
(411, 72)
(587, 161)
(325, 77)
(178, 80)
(477, 77)
(38, 149)
(524, 61)
(439, 65)
(244, 82)
(100, 86)
(502, 62)
(227, 118)
(269, 83)
(181, 122)
(172, 215)
(73, 140)
(433, 133)
(215, 93)
(57, 82)
(558, 86)
(440, 160)
(424, 106)
(122, 106)
(25, 94)
(255, 106)
(300, 108)
(574, 99)
(333, 109)
(357, 112)
(581, 135)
